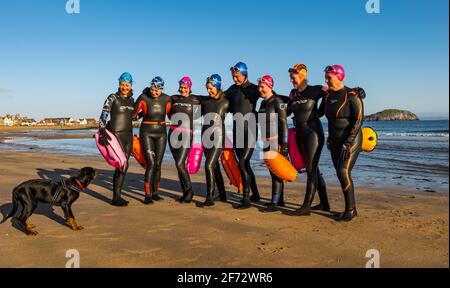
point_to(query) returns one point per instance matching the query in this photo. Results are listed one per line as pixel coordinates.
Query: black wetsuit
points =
(187, 108)
(120, 109)
(214, 112)
(310, 140)
(344, 111)
(153, 134)
(275, 111)
(243, 101)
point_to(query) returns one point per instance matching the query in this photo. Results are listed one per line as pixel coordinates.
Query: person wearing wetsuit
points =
(214, 109)
(304, 103)
(185, 109)
(243, 97)
(344, 110)
(275, 111)
(153, 106)
(119, 107)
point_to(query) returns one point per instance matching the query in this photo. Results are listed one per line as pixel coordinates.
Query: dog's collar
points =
(80, 185)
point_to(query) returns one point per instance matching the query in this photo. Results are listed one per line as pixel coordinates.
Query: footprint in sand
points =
(271, 248)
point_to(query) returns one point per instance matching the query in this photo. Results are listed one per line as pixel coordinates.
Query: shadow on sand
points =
(133, 188)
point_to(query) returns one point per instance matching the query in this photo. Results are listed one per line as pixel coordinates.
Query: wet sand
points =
(409, 229)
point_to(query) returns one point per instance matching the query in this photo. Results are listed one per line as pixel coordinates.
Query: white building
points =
(8, 121)
(83, 121)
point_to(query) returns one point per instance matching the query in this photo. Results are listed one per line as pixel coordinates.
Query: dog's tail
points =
(15, 206)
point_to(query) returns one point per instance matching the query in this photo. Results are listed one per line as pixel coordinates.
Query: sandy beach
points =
(409, 229)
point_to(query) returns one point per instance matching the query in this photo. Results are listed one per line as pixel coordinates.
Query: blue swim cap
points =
(158, 82)
(241, 68)
(126, 77)
(215, 80)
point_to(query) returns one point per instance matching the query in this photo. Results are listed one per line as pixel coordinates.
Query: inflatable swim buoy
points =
(113, 152)
(280, 166)
(370, 139)
(138, 153)
(194, 160)
(294, 152)
(230, 165)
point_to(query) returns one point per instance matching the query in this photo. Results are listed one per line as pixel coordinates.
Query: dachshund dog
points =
(62, 194)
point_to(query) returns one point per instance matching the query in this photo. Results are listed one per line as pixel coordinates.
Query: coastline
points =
(409, 229)
(40, 128)
(418, 174)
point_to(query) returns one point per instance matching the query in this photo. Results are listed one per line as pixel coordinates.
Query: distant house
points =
(87, 121)
(73, 122)
(55, 121)
(28, 122)
(82, 121)
(8, 121)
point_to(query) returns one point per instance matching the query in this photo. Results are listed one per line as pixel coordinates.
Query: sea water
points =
(409, 154)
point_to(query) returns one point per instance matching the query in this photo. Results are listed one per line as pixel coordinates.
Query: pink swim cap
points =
(266, 80)
(186, 81)
(337, 71)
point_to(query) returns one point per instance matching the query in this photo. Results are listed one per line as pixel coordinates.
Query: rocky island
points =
(392, 115)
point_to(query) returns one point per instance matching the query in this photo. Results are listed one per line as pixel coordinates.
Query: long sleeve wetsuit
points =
(275, 111)
(345, 112)
(243, 101)
(182, 114)
(310, 140)
(153, 134)
(214, 125)
(119, 109)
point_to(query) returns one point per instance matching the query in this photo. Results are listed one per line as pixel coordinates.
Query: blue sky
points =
(55, 64)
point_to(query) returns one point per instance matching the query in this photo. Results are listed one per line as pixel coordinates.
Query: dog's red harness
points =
(80, 185)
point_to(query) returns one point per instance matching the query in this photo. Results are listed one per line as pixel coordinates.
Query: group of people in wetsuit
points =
(341, 105)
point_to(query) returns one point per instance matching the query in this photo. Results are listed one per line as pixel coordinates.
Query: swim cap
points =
(337, 71)
(186, 81)
(126, 77)
(241, 68)
(215, 80)
(266, 80)
(299, 69)
(157, 82)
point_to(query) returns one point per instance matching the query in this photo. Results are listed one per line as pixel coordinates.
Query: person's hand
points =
(284, 150)
(103, 137)
(361, 92)
(345, 151)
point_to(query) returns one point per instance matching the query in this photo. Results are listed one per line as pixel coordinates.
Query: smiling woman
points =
(119, 107)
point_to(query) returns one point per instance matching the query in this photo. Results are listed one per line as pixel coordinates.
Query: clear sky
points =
(53, 64)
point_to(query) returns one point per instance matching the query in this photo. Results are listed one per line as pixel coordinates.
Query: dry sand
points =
(409, 229)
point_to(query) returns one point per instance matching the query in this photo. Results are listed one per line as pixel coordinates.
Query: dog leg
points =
(23, 217)
(70, 219)
(30, 232)
(30, 225)
(73, 225)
